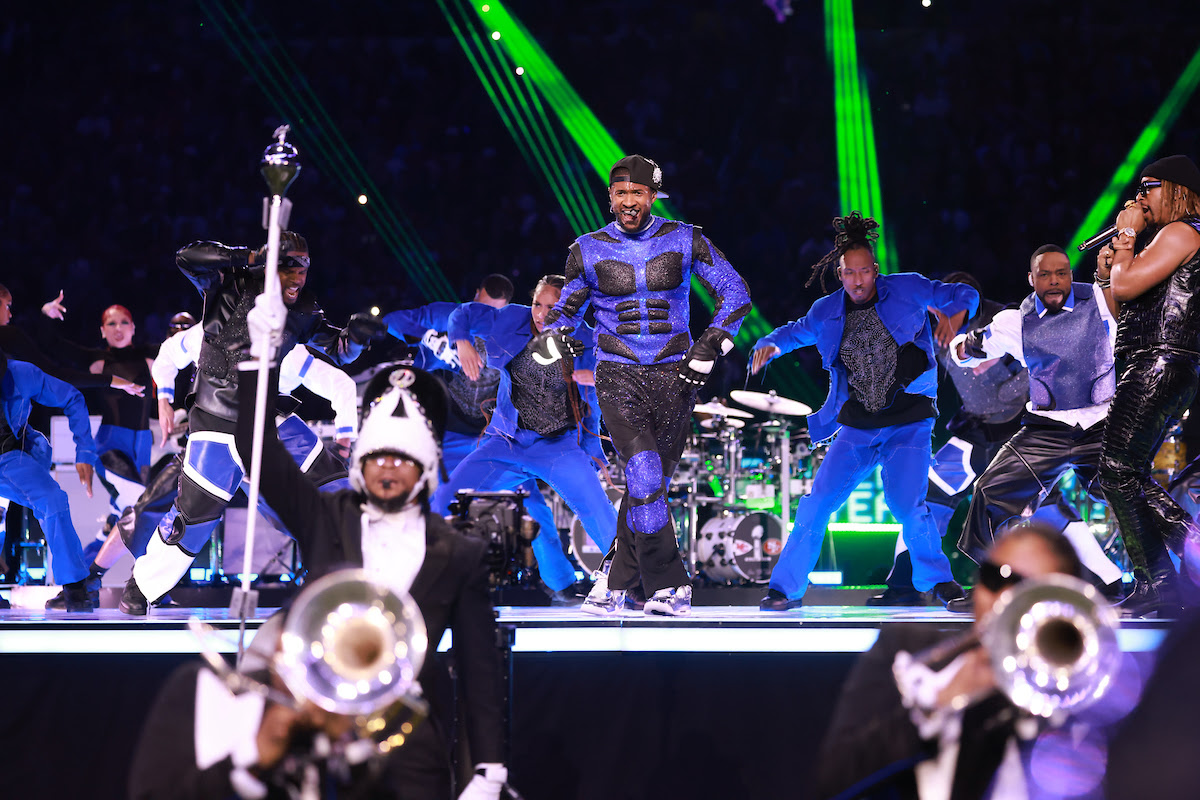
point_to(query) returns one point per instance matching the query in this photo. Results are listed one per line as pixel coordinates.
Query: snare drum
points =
(740, 547)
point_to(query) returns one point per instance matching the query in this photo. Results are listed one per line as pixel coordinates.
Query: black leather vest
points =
(1166, 316)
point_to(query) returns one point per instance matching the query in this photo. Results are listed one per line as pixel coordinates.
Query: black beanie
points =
(1176, 169)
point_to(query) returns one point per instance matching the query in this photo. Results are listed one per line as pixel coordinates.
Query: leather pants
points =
(1154, 390)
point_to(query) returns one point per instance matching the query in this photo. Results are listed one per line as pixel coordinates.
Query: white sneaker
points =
(600, 601)
(670, 602)
(606, 604)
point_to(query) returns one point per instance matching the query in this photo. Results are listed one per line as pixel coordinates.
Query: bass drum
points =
(586, 552)
(740, 547)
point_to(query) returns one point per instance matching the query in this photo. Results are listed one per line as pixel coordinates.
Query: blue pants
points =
(555, 569)
(25, 480)
(902, 453)
(499, 464)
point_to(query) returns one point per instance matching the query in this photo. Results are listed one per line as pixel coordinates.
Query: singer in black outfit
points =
(1158, 345)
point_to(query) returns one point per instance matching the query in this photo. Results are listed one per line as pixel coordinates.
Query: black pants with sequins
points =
(647, 410)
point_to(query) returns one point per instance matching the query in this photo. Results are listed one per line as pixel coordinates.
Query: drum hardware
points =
(771, 402)
(737, 547)
(500, 519)
(716, 423)
(721, 410)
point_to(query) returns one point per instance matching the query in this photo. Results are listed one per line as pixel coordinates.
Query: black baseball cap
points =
(641, 170)
(1176, 169)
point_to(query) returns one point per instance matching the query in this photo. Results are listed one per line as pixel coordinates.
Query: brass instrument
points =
(348, 645)
(1052, 642)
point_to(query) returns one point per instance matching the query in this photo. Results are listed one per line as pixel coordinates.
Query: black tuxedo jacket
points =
(451, 587)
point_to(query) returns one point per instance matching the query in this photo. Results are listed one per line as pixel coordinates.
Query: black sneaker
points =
(133, 602)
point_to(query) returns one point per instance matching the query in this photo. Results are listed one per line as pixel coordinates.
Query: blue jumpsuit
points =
(25, 470)
(638, 284)
(510, 456)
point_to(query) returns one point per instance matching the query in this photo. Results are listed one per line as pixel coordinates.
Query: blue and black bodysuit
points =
(638, 285)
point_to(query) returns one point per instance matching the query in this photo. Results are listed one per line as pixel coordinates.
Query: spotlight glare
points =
(927, 3)
(495, 36)
(485, 8)
(374, 311)
(520, 70)
(362, 199)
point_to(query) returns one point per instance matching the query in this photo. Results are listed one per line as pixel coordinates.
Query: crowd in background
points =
(132, 134)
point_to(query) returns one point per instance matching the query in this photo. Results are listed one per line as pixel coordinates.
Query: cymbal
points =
(720, 410)
(770, 402)
(717, 422)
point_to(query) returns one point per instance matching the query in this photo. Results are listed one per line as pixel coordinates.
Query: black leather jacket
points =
(229, 286)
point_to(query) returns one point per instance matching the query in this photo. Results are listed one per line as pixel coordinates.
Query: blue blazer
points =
(901, 304)
(23, 385)
(507, 331)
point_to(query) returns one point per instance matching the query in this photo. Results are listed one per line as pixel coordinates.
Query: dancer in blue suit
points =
(876, 342)
(546, 425)
(25, 467)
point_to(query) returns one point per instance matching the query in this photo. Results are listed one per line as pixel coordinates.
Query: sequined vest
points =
(1166, 316)
(1070, 365)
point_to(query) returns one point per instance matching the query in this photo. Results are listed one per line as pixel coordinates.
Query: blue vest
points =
(1068, 354)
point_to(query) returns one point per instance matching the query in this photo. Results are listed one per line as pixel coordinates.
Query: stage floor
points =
(707, 629)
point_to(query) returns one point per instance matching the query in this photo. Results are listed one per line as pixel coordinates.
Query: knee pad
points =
(644, 475)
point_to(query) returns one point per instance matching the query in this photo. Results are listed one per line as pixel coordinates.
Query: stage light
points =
(520, 70)
(926, 3)
(362, 199)
(495, 36)
(485, 8)
(374, 311)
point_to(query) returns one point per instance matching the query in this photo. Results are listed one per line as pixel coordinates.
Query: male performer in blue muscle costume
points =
(636, 272)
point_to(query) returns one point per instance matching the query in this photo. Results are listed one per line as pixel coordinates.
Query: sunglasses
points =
(998, 577)
(391, 460)
(1145, 186)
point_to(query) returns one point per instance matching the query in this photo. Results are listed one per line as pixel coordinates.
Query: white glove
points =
(486, 785)
(266, 321)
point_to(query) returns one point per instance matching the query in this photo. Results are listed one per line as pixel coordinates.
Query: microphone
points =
(1100, 238)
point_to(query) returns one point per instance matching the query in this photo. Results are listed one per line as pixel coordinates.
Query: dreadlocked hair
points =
(849, 232)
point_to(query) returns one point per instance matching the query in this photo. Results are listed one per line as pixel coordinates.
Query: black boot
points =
(75, 597)
(133, 602)
(1158, 598)
(92, 582)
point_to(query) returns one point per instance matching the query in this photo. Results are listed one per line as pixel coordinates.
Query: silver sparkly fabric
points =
(869, 353)
(470, 397)
(539, 393)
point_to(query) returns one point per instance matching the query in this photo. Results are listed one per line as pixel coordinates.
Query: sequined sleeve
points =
(576, 294)
(729, 290)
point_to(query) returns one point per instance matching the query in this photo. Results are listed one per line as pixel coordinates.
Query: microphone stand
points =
(279, 167)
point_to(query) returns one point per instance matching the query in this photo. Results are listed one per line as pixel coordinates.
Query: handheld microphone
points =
(1100, 238)
(1103, 235)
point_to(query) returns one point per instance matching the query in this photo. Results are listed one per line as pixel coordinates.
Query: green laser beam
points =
(1105, 208)
(599, 149)
(291, 95)
(859, 186)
